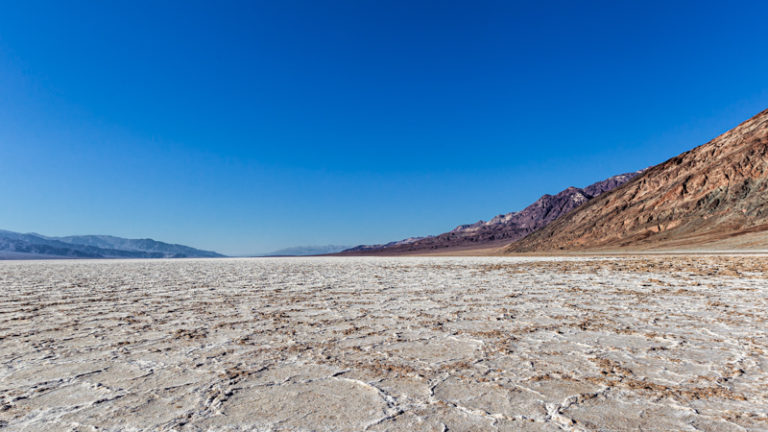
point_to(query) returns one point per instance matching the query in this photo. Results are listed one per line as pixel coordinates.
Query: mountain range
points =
(502, 229)
(35, 246)
(712, 197)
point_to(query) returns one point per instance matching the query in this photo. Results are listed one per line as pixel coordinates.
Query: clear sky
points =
(245, 127)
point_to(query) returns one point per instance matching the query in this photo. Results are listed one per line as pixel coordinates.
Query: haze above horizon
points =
(247, 127)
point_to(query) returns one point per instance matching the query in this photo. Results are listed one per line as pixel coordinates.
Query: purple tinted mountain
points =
(714, 196)
(502, 229)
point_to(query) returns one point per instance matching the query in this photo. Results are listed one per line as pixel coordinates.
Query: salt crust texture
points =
(385, 344)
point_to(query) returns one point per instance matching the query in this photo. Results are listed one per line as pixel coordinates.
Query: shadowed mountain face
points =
(30, 246)
(714, 194)
(504, 228)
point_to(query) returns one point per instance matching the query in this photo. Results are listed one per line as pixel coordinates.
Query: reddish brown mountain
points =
(502, 229)
(715, 195)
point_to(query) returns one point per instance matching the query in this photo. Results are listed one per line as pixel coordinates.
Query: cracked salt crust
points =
(386, 344)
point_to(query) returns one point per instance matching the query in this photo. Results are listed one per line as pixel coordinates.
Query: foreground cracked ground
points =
(385, 344)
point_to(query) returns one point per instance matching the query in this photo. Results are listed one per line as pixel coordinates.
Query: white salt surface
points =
(385, 344)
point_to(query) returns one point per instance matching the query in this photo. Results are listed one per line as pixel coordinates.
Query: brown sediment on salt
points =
(395, 344)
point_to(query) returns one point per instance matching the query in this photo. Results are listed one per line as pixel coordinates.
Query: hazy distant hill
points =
(502, 229)
(29, 246)
(716, 193)
(308, 250)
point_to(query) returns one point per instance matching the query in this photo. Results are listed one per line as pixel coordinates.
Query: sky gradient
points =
(245, 127)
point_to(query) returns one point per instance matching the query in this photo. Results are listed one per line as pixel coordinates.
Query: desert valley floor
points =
(386, 344)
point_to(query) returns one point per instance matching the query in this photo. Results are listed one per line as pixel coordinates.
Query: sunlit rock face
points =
(385, 344)
(713, 197)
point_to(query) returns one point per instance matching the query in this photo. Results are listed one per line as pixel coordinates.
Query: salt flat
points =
(385, 344)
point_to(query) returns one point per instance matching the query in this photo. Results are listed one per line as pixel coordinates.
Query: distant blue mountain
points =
(35, 246)
(308, 250)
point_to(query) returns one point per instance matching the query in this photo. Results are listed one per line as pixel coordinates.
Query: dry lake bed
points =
(385, 344)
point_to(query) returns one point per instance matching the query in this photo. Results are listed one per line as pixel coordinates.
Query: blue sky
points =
(245, 127)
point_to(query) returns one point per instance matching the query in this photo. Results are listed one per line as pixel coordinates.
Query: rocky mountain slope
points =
(504, 228)
(716, 193)
(30, 246)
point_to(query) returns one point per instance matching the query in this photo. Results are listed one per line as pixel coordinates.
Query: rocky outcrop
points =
(715, 192)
